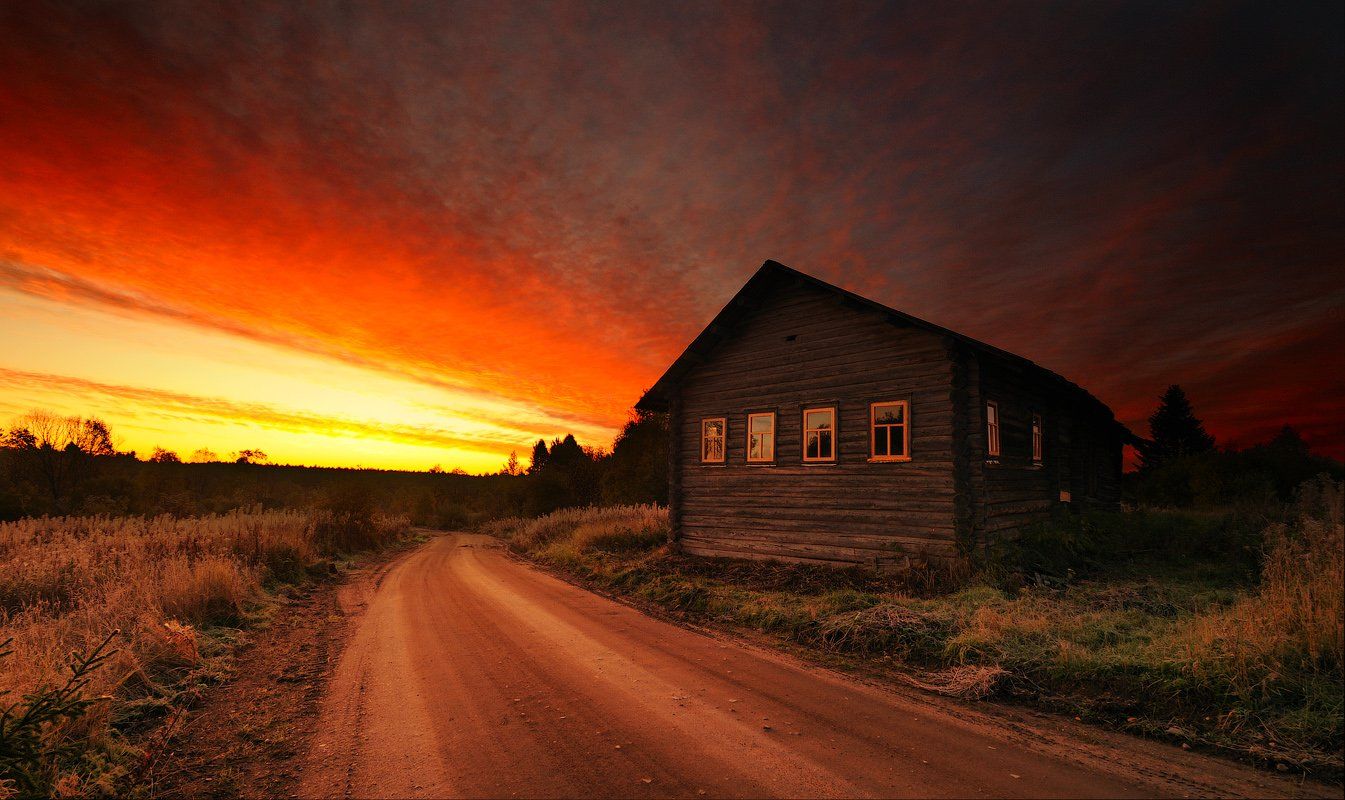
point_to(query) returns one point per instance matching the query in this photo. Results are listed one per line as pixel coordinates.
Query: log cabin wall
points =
(803, 347)
(1095, 471)
(675, 437)
(1081, 452)
(1011, 490)
(967, 483)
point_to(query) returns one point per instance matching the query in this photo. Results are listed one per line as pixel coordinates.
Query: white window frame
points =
(905, 431)
(768, 438)
(1038, 439)
(993, 424)
(723, 438)
(803, 441)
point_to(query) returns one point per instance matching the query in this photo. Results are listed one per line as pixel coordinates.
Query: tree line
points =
(1181, 465)
(55, 465)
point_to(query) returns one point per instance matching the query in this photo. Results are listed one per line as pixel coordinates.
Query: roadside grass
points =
(1222, 630)
(178, 592)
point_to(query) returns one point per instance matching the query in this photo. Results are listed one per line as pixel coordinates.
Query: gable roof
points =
(774, 274)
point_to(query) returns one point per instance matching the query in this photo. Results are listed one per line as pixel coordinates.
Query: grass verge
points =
(178, 593)
(1202, 629)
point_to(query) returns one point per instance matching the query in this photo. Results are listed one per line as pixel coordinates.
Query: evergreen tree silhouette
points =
(1174, 431)
(637, 470)
(566, 454)
(539, 457)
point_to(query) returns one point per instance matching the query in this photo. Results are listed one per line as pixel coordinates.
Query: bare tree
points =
(162, 456)
(58, 452)
(204, 455)
(251, 456)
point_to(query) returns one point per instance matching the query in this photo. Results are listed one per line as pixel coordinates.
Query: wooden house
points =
(808, 423)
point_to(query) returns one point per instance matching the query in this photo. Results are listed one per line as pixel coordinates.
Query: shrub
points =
(910, 634)
(1291, 630)
(1071, 544)
(31, 744)
(597, 528)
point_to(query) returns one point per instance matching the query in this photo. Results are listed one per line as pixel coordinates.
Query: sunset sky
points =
(399, 235)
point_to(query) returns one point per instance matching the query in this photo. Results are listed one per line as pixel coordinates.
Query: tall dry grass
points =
(66, 582)
(1293, 626)
(597, 528)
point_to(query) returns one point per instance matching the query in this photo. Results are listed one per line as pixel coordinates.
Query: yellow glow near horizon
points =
(164, 383)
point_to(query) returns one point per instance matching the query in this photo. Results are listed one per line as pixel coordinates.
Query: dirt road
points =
(470, 674)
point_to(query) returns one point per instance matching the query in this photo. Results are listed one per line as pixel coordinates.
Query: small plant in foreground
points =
(31, 745)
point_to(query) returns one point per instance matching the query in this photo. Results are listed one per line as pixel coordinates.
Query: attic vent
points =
(791, 337)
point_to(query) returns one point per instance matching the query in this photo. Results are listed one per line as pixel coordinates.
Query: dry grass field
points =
(1201, 629)
(175, 589)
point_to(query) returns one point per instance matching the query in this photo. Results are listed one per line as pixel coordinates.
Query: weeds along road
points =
(470, 674)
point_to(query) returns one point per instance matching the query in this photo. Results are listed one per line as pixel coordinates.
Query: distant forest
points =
(52, 465)
(1181, 466)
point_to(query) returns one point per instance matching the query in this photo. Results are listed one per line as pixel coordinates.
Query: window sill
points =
(819, 463)
(889, 459)
(759, 463)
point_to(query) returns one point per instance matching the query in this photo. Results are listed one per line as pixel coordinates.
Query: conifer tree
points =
(539, 457)
(637, 470)
(1174, 431)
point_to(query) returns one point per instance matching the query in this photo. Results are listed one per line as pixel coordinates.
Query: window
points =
(712, 440)
(1036, 439)
(991, 430)
(819, 434)
(889, 436)
(761, 437)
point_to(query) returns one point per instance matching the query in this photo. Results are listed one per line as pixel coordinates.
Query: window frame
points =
(835, 434)
(993, 432)
(747, 438)
(723, 441)
(1038, 434)
(905, 431)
